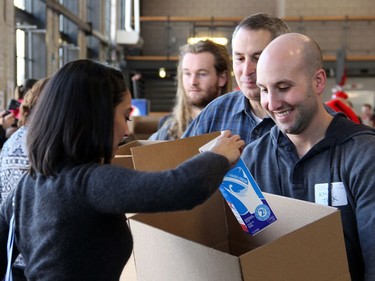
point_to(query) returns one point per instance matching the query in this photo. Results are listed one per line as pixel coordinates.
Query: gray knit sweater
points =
(72, 227)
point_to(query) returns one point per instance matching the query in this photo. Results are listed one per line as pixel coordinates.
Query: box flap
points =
(193, 224)
(123, 155)
(125, 161)
(306, 243)
(178, 259)
(168, 154)
(293, 215)
(125, 148)
(313, 252)
(176, 254)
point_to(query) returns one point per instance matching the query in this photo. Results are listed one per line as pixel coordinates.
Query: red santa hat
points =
(339, 106)
(340, 94)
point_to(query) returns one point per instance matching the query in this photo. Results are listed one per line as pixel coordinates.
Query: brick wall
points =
(242, 8)
(356, 36)
(330, 8)
(7, 52)
(199, 8)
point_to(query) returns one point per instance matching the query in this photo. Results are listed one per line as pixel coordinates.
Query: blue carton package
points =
(246, 200)
(244, 197)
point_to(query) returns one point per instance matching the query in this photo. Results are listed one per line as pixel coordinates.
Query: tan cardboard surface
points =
(125, 148)
(148, 155)
(168, 154)
(301, 254)
(207, 243)
(123, 155)
(295, 214)
(167, 240)
(180, 267)
(201, 232)
(124, 158)
(306, 243)
(123, 161)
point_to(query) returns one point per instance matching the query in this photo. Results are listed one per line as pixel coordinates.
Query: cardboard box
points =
(153, 156)
(207, 243)
(147, 155)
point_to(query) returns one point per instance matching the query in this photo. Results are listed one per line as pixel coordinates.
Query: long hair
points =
(262, 21)
(181, 114)
(72, 122)
(30, 99)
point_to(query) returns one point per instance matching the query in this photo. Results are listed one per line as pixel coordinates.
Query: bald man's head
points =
(291, 81)
(294, 47)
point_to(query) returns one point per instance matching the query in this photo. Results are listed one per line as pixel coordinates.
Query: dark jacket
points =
(345, 159)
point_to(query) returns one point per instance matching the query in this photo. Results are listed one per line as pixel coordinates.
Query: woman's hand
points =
(228, 145)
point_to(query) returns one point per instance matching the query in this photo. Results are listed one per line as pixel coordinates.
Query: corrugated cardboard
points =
(207, 243)
(124, 156)
(305, 243)
(149, 155)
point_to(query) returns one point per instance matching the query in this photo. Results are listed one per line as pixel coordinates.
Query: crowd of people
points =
(64, 203)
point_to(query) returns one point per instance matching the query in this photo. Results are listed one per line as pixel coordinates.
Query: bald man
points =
(310, 150)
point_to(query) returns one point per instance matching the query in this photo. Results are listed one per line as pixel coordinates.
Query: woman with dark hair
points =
(69, 210)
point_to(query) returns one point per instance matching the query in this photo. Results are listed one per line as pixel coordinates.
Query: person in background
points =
(311, 154)
(14, 105)
(21, 91)
(240, 111)
(14, 162)
(368, 116)
(13, 157)
(203, 73)
(340, 103)
(69, 208)
(7, 119)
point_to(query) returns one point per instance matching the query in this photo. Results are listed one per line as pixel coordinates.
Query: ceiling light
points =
(218, 40)
(162, 72)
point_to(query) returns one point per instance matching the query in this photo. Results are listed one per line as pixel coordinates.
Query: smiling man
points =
(311, 154)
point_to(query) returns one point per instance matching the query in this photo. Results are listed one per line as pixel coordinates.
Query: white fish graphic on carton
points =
(245, 198)
(242, 190)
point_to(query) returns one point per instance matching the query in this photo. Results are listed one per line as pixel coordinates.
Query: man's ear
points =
(223, 78)
(320, 79)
